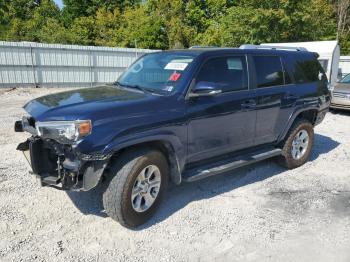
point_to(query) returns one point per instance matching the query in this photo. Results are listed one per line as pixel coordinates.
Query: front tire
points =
(138, 183)
(298, 145)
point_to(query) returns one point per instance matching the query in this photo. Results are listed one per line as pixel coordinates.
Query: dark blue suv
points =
(176, 115)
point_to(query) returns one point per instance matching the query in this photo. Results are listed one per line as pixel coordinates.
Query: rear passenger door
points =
(275, 97)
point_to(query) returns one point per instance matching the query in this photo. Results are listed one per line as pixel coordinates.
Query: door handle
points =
(248, 104)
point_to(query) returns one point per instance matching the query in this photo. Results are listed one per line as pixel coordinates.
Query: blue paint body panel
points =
(197, 128)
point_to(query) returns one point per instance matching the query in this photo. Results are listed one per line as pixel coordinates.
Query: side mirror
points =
(205, 89)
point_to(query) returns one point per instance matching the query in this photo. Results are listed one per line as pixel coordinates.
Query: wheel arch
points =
(164, 146)
(309, 114)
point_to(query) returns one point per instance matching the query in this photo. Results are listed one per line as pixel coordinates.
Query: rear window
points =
(269, 71)
(306, 70)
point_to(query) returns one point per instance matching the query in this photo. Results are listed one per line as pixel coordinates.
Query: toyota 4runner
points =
(176, 116)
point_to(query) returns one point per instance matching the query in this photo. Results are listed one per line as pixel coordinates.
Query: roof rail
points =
(273, 47)
(200, 46)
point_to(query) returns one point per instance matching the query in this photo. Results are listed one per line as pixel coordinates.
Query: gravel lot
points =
(258, 213)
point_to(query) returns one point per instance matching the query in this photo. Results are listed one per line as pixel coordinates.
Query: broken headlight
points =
(64, 131)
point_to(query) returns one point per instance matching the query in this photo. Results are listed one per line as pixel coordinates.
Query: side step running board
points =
(50, 181)
(229, 164)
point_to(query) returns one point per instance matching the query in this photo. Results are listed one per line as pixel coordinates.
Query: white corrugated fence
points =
(26, 64)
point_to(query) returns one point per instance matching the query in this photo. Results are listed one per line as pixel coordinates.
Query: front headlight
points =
(64, 131)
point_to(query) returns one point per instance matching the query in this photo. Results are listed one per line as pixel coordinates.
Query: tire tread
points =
(118, 182)
(286, 160)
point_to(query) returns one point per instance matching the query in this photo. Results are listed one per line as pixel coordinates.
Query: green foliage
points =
(21, 9)
(141, 29)
(43, 14)
(254, 25)
(53, 32)
(106, 25)
(111, 5)
(82, 31)
(17, 30)
(165, 24)
(77, 8)
(345, 44)
(74, 9)
(273, 21)
(29, 21)
(3, 11)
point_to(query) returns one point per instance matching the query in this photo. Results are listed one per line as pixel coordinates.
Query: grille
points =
(341, 95)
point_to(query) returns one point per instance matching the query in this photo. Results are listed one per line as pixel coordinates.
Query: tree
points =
(142, 28)
(111, 5)
(176, 25)
(12, 13)
(320, 21)
(253, 21)
(345, 45)
(106, 25)
(17, 31)
(21, 9)
(3, 19)
(343, 17)
(3, 10)
(41, 15)
(53, 32)
(82, 31)
(342, 9)
(164, 24)
(78, 8)
(74, 9)
(24, 19)
(250, 25)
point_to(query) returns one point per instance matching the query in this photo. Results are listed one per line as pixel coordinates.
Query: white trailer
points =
(329, 55)
(344, 65)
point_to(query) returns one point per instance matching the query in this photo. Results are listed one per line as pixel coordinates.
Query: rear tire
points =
(125, 197)
(298, 145)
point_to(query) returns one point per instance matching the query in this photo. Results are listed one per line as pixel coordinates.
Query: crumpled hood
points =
(342, 87)
(80, 103)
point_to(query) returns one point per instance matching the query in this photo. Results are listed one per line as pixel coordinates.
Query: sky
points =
(59, 3)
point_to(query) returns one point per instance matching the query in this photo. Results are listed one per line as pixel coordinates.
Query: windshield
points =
(346, 79)
(158, 72)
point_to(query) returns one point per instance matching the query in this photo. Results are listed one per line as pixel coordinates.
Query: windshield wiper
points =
(143, 89)
(131, 86)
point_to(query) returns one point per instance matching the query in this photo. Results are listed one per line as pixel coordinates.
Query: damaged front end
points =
(54, 158)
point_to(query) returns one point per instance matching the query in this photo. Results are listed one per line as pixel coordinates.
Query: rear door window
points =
(306, 70)
(229, 72)
(269, 71)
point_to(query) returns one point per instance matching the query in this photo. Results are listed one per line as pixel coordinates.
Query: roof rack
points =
(203, 47)
(273, 47)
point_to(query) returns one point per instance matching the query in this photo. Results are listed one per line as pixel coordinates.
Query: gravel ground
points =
(259, 213)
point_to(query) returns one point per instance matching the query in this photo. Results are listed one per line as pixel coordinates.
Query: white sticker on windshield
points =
(176, 66)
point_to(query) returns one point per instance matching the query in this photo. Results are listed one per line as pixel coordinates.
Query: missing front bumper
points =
(57, 166)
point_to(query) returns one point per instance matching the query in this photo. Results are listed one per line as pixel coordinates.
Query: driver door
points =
(223, 122)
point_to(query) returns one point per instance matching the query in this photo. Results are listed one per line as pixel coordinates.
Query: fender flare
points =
(291, 120)
(177, 151)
